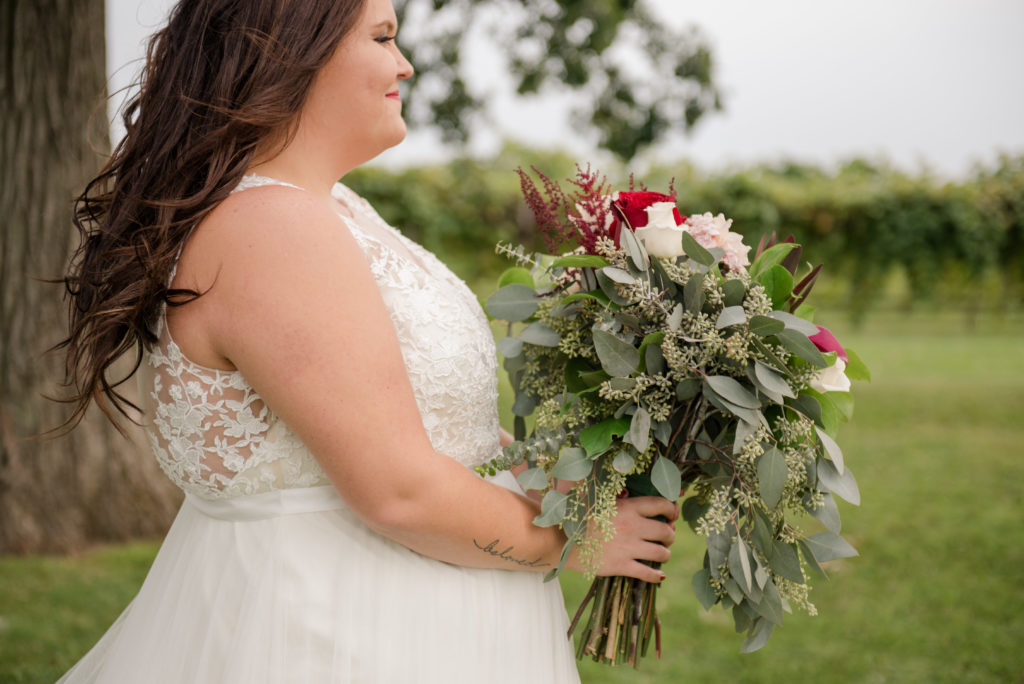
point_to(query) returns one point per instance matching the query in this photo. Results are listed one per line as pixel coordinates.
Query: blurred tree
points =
(55, 494)
(636, 79)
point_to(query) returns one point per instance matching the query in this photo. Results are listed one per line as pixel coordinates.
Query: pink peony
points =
(713, 231)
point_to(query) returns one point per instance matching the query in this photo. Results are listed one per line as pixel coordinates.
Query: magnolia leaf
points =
(675, 318)
(516, 274)
(832, 450)
(771, 474)
(539, 334)
(855, 369)
(666, 478)
(702, 588)
(733, 292)
(829, 413)
(739, 565)
(795, 323)
(785, 563)
(764, 326)
(797, 343)
(580, 261)
(635, 250)
(573, 465)
(731, 315)
(770, 257)
(640, 430)
(843, 401)
(618, 357)
(618, 275)
(552, 509)
(778, 285)
(828, 514)
(597, 438)
(515, 302)
(840, 484)
(695, 251)
(596, 295)
(732, 391)
(533, 478)
(771, 380)
(510, 347)
(828, 546)
(623, 462)
(758, 636)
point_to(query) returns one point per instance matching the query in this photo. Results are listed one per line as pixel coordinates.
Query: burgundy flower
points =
(825, 341)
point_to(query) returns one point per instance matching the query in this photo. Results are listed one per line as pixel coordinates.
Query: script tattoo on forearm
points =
(503, 554)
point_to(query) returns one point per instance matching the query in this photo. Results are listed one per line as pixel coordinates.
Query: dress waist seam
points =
(272, 504)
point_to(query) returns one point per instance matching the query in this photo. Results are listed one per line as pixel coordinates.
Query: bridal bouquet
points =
(654, 355)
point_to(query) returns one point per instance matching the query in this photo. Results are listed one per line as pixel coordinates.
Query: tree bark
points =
(56, 494)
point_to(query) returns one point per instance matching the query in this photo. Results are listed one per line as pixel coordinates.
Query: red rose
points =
(632, 207)
(825, 341)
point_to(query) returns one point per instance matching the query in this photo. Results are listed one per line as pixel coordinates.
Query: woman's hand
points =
(638, 537)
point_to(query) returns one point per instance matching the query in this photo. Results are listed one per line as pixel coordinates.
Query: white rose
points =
(832, 379)
(661, 236)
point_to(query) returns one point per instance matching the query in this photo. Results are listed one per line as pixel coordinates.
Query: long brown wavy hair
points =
(223, 77)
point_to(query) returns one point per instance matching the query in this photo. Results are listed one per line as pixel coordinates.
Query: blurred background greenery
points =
(922, 279)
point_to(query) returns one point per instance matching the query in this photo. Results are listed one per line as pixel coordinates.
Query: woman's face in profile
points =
(355, 98)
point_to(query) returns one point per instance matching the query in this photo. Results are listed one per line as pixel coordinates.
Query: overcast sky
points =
(917, 82)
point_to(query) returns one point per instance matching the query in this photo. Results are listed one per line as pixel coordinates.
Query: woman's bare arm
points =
(294, 307)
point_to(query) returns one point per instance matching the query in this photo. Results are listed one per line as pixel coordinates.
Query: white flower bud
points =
(661, 236)
(832, 379)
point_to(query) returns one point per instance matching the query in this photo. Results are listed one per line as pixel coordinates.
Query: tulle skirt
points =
(291, 586)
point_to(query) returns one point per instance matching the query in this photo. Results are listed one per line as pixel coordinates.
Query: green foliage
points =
(571, 45)
(961, 244)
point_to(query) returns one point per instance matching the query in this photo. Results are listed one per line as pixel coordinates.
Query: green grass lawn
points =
(937, 594)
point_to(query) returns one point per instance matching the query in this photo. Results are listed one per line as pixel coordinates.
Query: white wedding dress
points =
(265, 575)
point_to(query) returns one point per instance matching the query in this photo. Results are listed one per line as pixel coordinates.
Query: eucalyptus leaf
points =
(734, 292)
(718, 552)
(539, 334)
(692, 510)
(762, 536)
(666, 478)
(842, 485)
(807, 405)
(596, 295)
(828, 546)
(635, 250)
(510, 347)
(744, 431)
(765, 326)
(735, 591)
(654, 360)
(751, 416)
(741, 618)
(572, 465)
(618, 275)
(515, 302)
(785, 563)
(771, 380)
(640, 430)
(618, 357)
(731, 315)
(828, 514)
(739, 565)
(662, 430)
(832, 450)
(608, 287)
(758, 636)
(623, 462)
(622, 384)
(770, 605)
(552, 509)
(771, 474)
(687, 389)
(797, 343)
(732, 391)
(702, 588)
(532, 478)
(693, 294)
(808, 555)
(580, 261)
(795, 323)
(524, 404)
(695, 251)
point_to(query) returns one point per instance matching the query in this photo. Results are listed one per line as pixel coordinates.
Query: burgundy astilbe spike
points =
(546, 210)
(593, 218)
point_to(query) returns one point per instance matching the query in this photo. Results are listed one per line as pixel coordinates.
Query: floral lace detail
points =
(214, 436)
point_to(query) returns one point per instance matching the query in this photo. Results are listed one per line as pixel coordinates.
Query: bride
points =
(318, 385)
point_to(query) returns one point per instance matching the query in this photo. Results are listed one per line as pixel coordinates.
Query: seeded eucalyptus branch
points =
(645, 374)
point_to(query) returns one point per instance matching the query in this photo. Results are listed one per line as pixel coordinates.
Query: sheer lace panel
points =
(215, 437)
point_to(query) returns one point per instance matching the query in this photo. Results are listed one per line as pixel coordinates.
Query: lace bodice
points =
(216, 438)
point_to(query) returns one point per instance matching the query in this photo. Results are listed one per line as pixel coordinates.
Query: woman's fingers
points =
(651, 506)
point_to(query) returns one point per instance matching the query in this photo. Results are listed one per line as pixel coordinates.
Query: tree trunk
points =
(92, 485)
